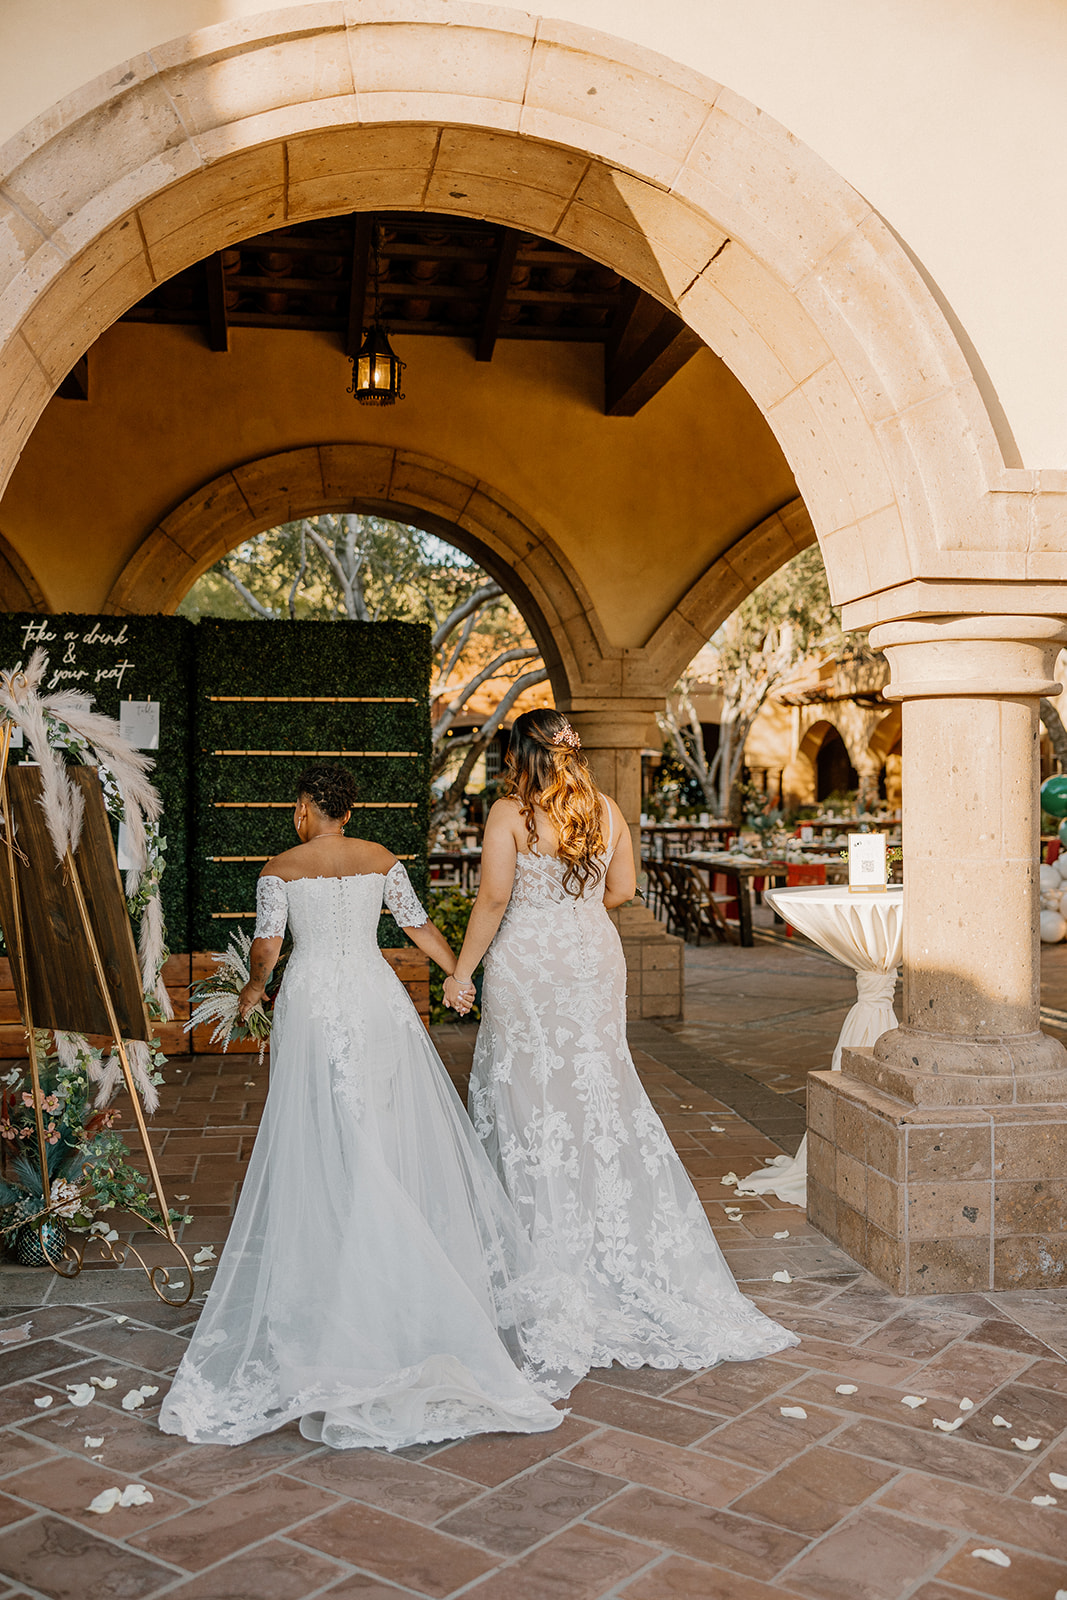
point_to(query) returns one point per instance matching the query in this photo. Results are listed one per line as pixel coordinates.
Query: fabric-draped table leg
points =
(871, 1016)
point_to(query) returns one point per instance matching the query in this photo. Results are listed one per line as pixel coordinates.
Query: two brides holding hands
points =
(399, 1272)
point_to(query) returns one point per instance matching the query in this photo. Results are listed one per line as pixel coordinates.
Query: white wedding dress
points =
(376, 1283)
(557, 1102)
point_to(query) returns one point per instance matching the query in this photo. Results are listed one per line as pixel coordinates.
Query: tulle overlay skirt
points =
(377, 1284)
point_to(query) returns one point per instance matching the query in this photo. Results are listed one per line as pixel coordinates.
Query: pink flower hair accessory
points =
(567, 736)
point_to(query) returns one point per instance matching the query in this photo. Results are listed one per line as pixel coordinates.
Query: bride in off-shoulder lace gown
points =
(376, 1284)
(558, 1105)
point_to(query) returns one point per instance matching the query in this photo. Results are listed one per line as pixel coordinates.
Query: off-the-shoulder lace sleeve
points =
(401, 899)
(272, 908)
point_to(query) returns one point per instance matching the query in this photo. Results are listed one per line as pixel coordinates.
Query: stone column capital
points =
(1009, 657)
(620, 725)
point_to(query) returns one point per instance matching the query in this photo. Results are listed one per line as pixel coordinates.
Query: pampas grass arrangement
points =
(216, 1000)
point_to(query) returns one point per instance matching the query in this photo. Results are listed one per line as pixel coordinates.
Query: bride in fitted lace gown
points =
(554, 1094)
(376, 1284)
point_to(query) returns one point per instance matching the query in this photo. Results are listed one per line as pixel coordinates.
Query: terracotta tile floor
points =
(657, 1485)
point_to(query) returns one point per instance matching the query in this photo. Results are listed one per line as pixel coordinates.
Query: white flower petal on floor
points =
(105, 1501)
(783, 1235)
(1043, 1500)
(715, 1128)
(730, 1180)
(949, 1427)
(133, 1401)
(996, 1558)
(846, 1388)
(794, 1411)
(1001, 1422)
(91, 1443)
(81, 1394)
(104, 1383)
(126, 1319)
(781, 1277)
(135, 1494)
(913, 1400)
(1029, 1443)
(206, 1254)
(44, 1402)
(1058, 1480)
(966, 1405)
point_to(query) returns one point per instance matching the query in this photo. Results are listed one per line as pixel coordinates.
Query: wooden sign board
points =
(64, 989)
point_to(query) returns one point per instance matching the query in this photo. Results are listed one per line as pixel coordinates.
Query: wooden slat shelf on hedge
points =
(382, 754)
(267, 858)
(313, 699)
(287, 805)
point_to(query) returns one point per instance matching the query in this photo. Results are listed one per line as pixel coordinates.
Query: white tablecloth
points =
(865, 932)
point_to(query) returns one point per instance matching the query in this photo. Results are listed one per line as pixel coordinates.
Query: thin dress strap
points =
(611, 832)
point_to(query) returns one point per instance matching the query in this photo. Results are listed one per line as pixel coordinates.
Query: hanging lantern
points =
(376, 370)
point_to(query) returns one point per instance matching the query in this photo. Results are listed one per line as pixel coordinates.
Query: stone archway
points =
(704, 202)
(470, 514)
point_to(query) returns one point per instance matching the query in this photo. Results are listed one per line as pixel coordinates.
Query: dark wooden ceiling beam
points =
(75, 385)
(498, 293)
(362, 233)
(218, 327)
(631, 380)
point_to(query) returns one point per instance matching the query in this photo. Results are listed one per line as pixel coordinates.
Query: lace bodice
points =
(539, 882)
(335, 916)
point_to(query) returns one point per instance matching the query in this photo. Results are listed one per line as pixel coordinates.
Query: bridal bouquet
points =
(215, 1000)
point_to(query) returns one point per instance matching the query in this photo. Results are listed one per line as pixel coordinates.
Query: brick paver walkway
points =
(751, 1482)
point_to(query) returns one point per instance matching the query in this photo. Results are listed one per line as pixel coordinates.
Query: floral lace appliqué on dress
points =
(376, 1284)
(556, 1100)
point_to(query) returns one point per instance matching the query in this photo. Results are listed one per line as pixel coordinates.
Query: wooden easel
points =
(74, 967)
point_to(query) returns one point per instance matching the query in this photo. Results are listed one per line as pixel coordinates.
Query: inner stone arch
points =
(432, 494)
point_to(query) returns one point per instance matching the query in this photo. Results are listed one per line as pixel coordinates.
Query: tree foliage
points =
(786, 618)
(344, 566)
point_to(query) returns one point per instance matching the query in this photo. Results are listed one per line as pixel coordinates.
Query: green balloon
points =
(1054, 795)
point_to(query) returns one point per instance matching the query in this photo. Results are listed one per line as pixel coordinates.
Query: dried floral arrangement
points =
(215, 999)
(89, 1164)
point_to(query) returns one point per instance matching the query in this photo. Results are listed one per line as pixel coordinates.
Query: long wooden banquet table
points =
(744, 874)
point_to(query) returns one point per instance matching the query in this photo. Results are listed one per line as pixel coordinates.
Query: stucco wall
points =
(626, 497)
(948, 116)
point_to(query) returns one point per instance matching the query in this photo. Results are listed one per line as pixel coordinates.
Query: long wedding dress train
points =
(376, 1283)
(557, 1102)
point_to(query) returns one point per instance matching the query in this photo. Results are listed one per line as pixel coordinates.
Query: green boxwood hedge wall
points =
(182, 664)
(120, 658)
(303, 659)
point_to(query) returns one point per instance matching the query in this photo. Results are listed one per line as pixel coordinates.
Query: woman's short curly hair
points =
(332, 789)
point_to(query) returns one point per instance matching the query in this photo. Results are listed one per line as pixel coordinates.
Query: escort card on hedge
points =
(139, 723)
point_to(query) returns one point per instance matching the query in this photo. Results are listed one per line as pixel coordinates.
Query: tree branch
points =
(474, 602)
(1056, 731)
(462, 695)
(300, 574)
(257, 608)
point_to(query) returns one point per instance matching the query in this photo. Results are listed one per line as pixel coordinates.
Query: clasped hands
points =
(459, 996)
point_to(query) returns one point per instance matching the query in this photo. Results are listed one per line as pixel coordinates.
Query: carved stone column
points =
(613, 736)
(938, 1158)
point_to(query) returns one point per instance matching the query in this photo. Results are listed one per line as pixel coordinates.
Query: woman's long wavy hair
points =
(556, 777)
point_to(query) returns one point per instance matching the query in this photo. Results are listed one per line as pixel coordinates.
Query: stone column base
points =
(655, 965)
(937, 1199)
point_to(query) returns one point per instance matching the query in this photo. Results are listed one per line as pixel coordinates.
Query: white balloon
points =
(1061, 905)
(1053, 927)
(1060, 866)
(1050, 879)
